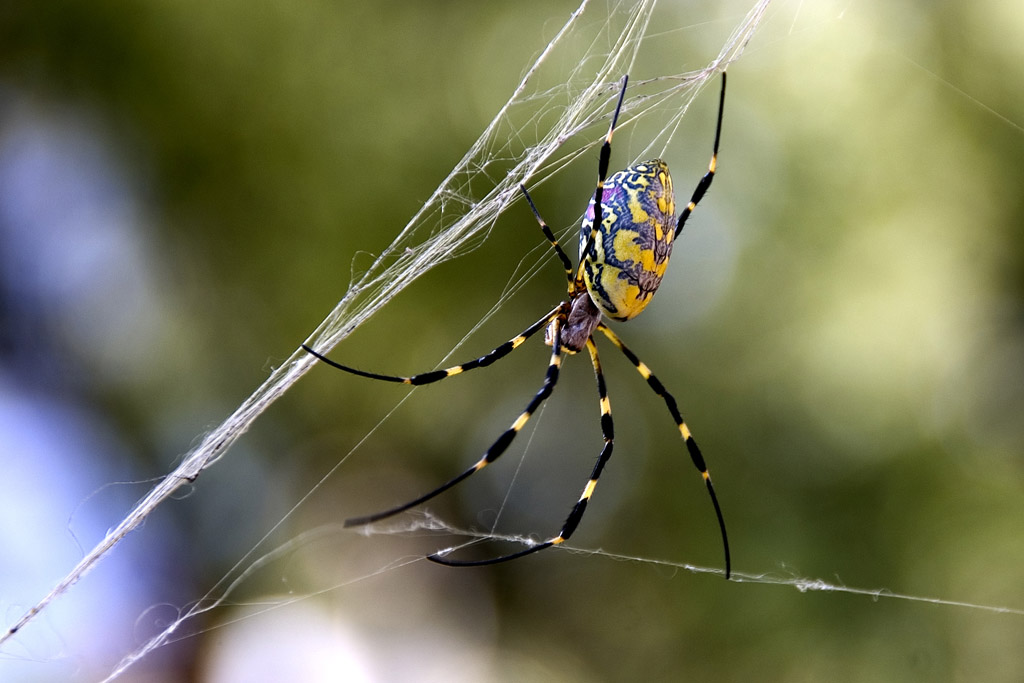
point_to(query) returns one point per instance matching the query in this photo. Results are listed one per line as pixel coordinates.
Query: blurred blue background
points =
(185, 188)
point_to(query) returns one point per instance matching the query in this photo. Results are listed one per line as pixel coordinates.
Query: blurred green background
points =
(185, 188)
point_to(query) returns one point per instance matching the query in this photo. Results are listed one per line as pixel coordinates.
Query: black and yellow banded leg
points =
(705, 181)
(691, 445)
(562, 256)
(437, 375)
(602, 176)
(573, 521)
(608, 433)
(497, 448)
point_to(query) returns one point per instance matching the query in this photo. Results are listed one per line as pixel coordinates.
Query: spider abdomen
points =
(634, 241)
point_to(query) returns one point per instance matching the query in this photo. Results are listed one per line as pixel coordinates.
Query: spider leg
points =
(608, 432)
(566, 263)
(499, 446)
(602, 175)
(437, 375)
(705, 181)
(691, 444)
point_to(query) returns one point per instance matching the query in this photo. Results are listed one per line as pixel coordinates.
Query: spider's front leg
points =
(437, 375)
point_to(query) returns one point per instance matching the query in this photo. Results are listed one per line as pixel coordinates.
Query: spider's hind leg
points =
(573, 520)
(499, 446)
(691, 444)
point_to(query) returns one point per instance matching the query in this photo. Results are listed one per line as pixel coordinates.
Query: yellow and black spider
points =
(625, 242)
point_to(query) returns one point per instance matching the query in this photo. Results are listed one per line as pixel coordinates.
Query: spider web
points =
(426, 523)
(540, 130)
(784, 577)
(421, 523)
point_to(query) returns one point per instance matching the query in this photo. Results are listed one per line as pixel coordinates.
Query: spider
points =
(626, 239)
